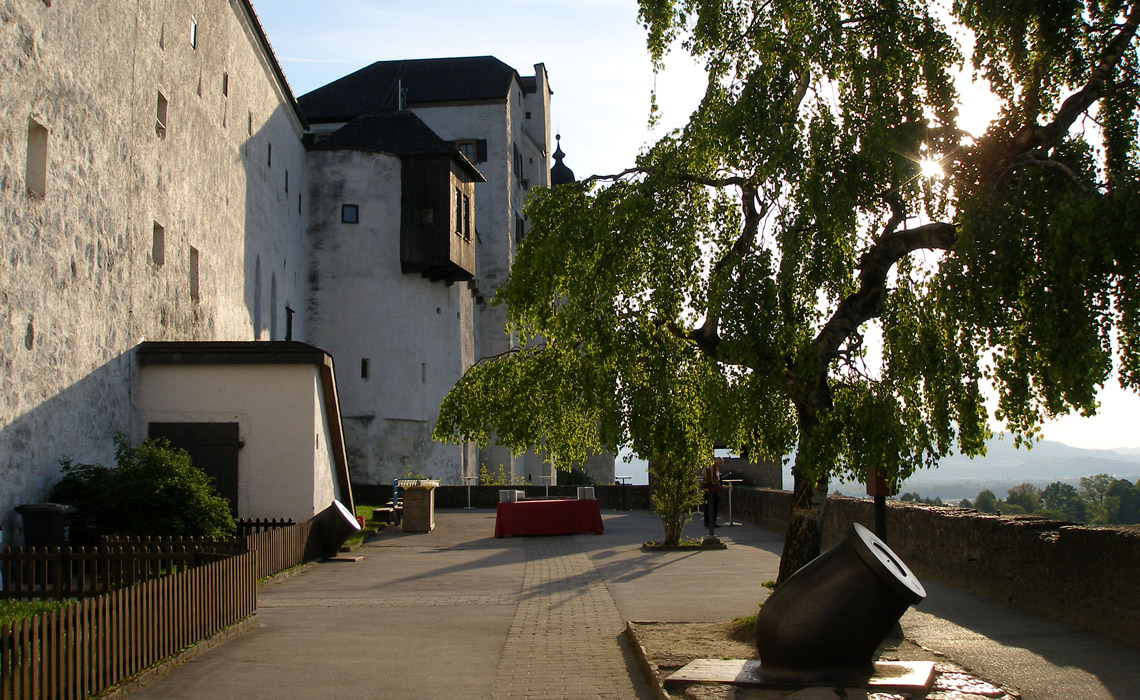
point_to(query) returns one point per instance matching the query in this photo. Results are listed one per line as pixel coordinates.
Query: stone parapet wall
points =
(1086, 576)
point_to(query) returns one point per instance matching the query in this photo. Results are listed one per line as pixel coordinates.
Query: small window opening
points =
(193, 34)
(349, 214)
(158, 245)
(298, 202)
(364, 368)
(269, 156)
(35, 173)
(249, 125)
(160, 116)
(225, 84)
(286, 182)
(528, 115)
(194, 274)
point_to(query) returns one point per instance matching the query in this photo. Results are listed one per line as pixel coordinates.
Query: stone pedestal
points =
(419, 508)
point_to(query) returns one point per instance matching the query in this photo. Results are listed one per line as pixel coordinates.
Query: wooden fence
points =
(59, 573)
(142, 600)
(83, 649)
(282, 547)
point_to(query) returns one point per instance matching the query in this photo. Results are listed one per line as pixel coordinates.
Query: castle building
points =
(159, 182)
(500, 122)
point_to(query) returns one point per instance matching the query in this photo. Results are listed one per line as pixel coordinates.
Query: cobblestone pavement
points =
(454, 613)
(565, 640)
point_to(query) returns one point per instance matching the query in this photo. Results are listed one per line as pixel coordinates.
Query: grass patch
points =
(750, 620)
(371, 527)
(16, 610)
(689, 543)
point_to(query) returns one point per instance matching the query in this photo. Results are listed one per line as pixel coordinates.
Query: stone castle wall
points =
(82, 285)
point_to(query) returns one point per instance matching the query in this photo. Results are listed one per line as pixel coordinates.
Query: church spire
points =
(560, 174)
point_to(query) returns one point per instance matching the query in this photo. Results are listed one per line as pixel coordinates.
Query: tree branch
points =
(708, 335)
(867, 302)
(718, 182)
(1032, 136)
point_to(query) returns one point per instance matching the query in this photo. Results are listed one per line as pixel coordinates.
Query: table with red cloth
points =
(554, 517)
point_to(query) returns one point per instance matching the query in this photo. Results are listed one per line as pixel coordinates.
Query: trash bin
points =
(47, 524)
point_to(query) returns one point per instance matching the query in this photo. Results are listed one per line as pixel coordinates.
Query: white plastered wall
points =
(416, 334)
(285, 468)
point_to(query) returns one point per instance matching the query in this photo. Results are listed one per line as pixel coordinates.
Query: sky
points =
(594, 52)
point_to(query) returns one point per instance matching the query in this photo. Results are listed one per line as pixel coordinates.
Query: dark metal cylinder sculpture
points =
(332, 527)
(825, 622)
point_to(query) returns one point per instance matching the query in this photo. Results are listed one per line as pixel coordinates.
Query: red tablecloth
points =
(548, 518)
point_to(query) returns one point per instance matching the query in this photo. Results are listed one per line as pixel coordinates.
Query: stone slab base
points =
(888, 676)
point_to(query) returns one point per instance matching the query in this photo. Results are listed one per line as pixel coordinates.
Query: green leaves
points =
(721, 288)
(155, 490)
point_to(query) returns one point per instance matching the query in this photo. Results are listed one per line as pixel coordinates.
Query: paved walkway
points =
(566, 622)
(456, 613)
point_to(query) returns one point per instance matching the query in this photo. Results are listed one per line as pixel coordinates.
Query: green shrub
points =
(486, 478)
(575, 477)
(674, 496)
(155, 490)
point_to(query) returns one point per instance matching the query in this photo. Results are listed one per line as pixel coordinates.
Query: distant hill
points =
(1005, 466)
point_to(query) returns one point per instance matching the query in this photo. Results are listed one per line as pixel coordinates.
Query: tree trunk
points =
(805, 524)
(809, 494)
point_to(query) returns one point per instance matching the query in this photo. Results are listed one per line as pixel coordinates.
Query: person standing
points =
(710, 482)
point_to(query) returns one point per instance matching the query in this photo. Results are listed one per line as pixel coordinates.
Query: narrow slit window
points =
(35, 173)
(298, 202)
(194, 291)
(458, 212)
(364, 368)
(249, 125)
(349, 214)
(466, 217)
(225, 84)
(160, 116)
(286, 182)
(158, 245)
(193, 34)
(269, 155)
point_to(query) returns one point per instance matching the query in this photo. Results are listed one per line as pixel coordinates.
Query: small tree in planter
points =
(674, 496)
(566, 402)
(155, 490)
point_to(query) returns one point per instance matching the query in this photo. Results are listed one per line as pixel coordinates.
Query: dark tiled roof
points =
(372, 89)
(396, 134)
(230, 352)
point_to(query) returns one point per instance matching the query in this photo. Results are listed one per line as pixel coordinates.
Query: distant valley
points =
(1005, 466)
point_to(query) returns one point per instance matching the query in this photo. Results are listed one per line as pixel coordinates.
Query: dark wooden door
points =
(213, 448)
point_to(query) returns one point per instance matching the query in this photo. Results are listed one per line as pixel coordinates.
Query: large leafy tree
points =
(721, 288)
